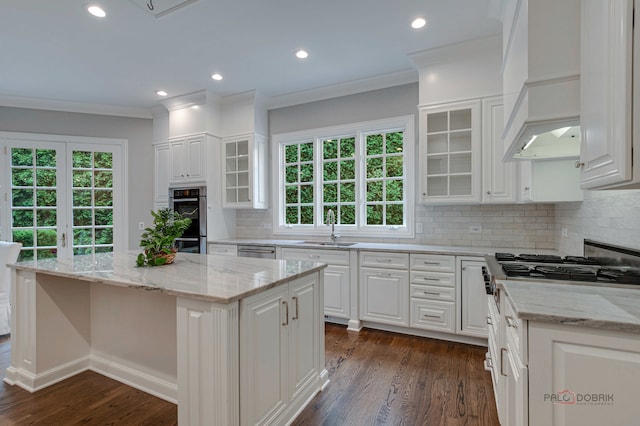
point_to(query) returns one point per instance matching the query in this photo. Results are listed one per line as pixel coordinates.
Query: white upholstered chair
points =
(8, 254)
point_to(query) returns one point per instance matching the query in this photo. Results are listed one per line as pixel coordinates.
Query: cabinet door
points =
(516, 393)
(592, 373)
(450, 144)
(384, 295)
(162, 175)
(177, 153)
(264, 354)
(474, 299)
(336, 291)
(606, 82)
(498, 177)
(303, 335)
(195, 158)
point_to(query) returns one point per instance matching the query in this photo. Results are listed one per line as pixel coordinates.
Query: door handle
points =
(286, 315)
(296, 316)
(64, 239)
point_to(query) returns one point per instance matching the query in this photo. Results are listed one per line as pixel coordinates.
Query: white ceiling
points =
(52, 50)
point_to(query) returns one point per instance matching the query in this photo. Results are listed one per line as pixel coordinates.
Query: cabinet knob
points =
(488, 192)
(526, 188)
(579, 164)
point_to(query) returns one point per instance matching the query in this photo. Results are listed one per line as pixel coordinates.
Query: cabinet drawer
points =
(433, 315)
(433, 262)
(433, 278)
(514, 330)
(224, 249)
(433, 292)
(384, 260)
(331, 257)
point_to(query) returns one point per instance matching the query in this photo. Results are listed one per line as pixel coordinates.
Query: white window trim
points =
(358, 129)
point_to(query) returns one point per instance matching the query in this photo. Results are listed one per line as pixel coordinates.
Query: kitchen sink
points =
(326, 243)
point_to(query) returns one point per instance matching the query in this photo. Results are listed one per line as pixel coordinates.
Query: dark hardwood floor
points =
(377, 378)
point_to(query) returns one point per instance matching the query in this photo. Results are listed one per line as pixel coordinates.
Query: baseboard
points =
(134, 378)
(450, 337)
(354, 325)
(33, 383)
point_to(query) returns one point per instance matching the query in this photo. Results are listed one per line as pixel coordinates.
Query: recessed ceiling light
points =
(96, 11)
(418, 23)
(161, 93)
(302, 54)
(216, 77)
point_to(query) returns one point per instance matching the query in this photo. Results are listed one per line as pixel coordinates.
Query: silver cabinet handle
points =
(296, 316)
(380, 274)
(314, 256)
(383, 260)
(435, 293)
(431, 316)
(64, 239)
(430, 263)
(431, 279)
(286, 316)
(579, 164)
(511, 322)
(502, 352)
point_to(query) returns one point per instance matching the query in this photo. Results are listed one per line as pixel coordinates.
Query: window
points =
(362, 172)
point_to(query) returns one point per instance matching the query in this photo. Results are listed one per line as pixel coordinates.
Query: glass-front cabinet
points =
(450, 143)
(245, 174)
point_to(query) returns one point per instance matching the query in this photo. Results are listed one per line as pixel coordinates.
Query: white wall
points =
(460, 71)
(138, 131)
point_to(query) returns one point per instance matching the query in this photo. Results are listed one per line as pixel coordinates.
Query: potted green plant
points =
(158, 242)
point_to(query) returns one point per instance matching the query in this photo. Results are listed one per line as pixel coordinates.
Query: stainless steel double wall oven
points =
(191, 202)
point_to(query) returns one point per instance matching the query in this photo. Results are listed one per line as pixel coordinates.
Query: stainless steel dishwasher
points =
(263, 252)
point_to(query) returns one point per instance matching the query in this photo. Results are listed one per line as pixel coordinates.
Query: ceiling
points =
(54, 51)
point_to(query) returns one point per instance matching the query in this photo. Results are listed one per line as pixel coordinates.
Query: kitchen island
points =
(230, 340)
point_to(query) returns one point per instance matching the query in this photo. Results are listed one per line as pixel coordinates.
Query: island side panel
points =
(208, 362)
(133, 338)
(51, 336)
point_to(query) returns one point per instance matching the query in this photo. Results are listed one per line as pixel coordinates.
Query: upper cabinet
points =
(499, 181)
(609, 59)
(540, 75)
(161, 174)
(187, 156)
(450, 144)
(245, 172)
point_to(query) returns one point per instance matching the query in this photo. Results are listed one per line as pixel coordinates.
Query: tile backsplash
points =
(502, 226)
(607, 216)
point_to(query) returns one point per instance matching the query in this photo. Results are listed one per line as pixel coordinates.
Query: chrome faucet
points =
(331, 220)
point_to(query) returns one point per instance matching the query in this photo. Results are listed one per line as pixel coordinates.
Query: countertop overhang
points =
(221, 279)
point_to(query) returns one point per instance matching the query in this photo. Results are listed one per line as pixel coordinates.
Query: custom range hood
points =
(541, 79)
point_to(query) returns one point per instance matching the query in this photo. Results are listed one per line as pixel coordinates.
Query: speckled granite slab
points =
(587, 306)
(214, 278)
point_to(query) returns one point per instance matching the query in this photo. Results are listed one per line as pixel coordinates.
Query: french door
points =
(63, 198)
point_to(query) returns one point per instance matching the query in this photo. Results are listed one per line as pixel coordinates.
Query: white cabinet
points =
(222, 249)
(549, 181)
(245, 172)
(499, 178)
(188, 159)
(337, 277)
(609, 60)
(450, 144)
(281, 347)
(472, 298)
(162, 177)
(592, 373)
(384, 288)
(433, 292)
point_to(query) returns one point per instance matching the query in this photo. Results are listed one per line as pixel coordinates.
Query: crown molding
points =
(456, 51)
(77, 107)
(343, 89)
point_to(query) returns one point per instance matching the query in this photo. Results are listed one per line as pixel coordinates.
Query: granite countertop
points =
(213, 278)
(396, 247)
(589, 306)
